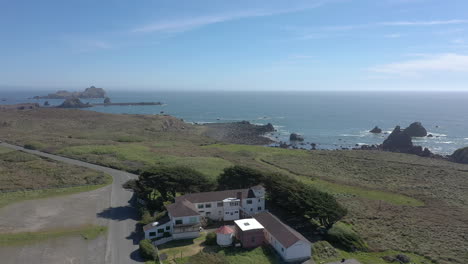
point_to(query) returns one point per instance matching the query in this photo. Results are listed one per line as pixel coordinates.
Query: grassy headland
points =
(395, 201)
(25, 176)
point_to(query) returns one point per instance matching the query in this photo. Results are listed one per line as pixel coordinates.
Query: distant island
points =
(91, 92)
(77, 103)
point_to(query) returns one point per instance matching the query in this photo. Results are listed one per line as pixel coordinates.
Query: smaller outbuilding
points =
(224, 236)
(249, 232)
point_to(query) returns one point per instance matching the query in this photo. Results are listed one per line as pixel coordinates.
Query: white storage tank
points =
(224, 236)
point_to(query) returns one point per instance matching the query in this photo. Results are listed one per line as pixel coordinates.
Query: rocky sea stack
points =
(296, 137)
(376, 130)
(416, 130)
(73, 103)
(460, 155)
(398, 140)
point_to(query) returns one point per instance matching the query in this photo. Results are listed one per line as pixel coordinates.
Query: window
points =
(236, 212)
(253, 239)
(168, 228)
(258, 200)
(208, 213)
(201, 211)
(249, 201)
(251, 209)
(282, 249)
(259, 208)
(178, 222)
(161, 230)
(220, 204)
(200, 206)
(227, 213)
(192, 220)
(234, 203)
(152, 234)
(208, 205)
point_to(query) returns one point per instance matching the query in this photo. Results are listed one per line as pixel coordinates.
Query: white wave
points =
(446, 142)
(437, 134)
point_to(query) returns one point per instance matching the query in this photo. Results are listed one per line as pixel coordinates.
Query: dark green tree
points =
(239, 177)
(170, 180)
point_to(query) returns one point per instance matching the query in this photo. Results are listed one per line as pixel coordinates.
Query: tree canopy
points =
(239, 177)
(297, 198)
(168, 181)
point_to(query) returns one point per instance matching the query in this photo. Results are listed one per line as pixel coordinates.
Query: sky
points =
(396, 45)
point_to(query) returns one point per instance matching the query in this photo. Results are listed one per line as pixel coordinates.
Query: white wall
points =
(186, 219)
(155, 230)
(214, 212)
(253, 207)
(300, 250)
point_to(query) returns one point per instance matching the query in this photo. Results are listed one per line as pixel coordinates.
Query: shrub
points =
(146, 217)
(33, 145)
(147, 250)
(323, 250)
(210, 239)
(343, 236)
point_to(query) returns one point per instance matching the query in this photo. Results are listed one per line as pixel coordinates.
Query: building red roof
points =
(224, 230)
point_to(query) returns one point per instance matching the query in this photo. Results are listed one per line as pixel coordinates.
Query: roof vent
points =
(246, 224)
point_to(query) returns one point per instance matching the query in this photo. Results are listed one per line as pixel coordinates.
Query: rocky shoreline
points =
(239, 132)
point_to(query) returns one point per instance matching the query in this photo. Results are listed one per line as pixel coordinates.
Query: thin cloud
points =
(393, 36)
(185, 24)
(425, 23)
(449, 62)
(394, 23)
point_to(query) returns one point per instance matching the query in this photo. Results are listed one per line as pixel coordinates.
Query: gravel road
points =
(109, 205)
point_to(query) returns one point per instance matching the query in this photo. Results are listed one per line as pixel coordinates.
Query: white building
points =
(185, 214)
(182, 221)
(289, 243)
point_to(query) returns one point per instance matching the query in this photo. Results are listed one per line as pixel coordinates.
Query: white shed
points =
(224, 236)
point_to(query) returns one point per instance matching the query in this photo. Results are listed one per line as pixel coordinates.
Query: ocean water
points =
(330, 119)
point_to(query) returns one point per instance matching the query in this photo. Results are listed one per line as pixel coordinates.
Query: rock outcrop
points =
(416, 130)
(398, 140)
(240, 132)
(376, 130)
(73, 103)
(91, 92)
(460, 155)
(296, 137)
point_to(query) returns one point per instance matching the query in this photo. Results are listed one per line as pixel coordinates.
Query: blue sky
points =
(235, 45)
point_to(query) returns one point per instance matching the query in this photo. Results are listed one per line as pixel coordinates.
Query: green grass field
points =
(87, 232)
(24, 176)
(18, 196)
(144, 156)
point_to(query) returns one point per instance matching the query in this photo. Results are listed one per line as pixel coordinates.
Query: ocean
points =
(330, 119)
